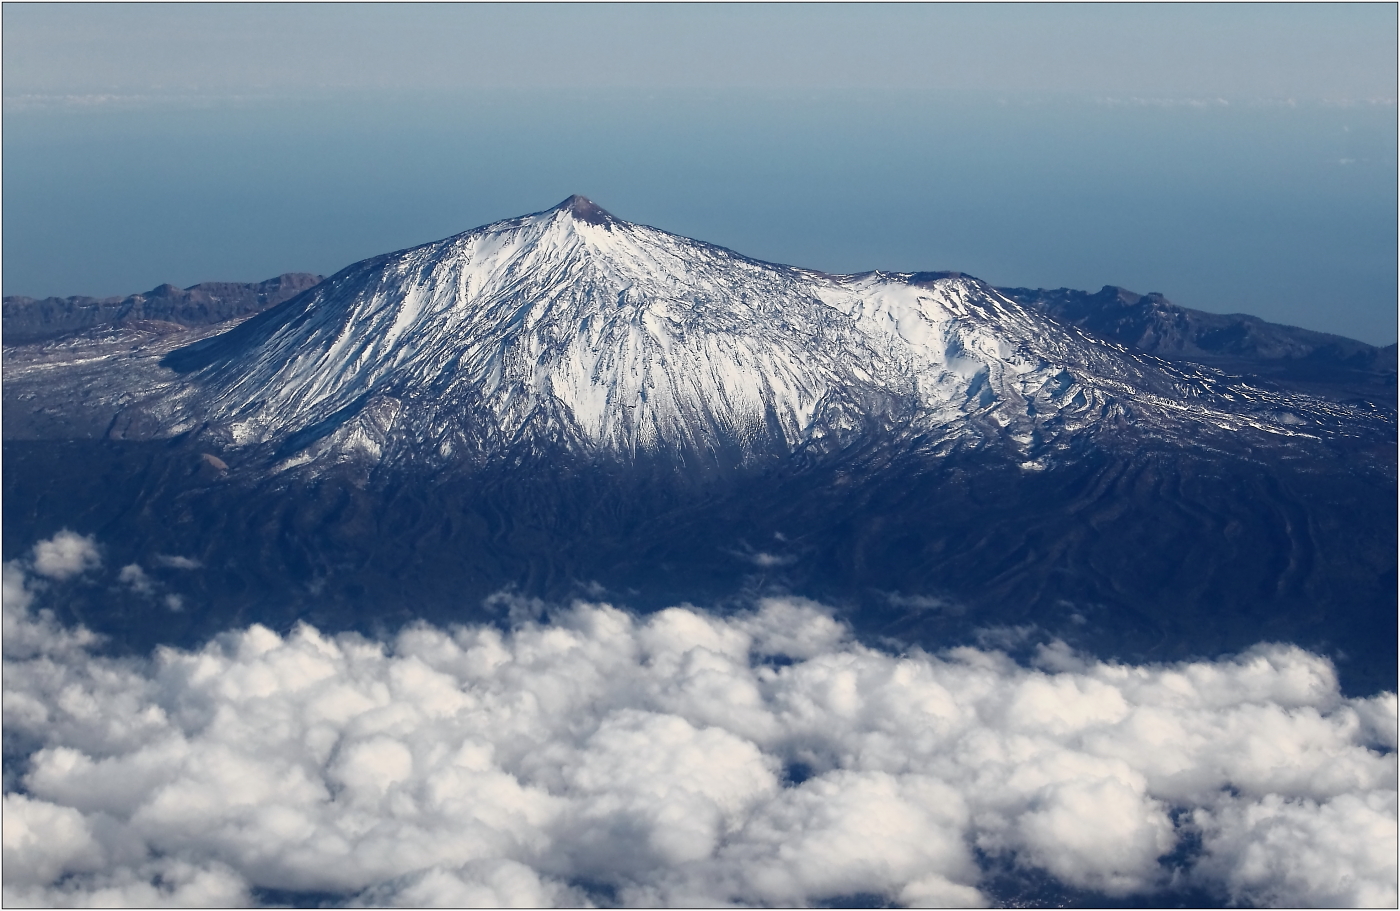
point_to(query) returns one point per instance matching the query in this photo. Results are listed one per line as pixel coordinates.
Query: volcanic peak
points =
(585, 210)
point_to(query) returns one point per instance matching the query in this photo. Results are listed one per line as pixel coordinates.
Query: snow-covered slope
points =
(574, 328)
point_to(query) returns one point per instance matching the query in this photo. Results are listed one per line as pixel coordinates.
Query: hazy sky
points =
(1334, 51)
(1234, 157)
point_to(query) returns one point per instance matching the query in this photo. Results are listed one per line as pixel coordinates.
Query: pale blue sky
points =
(1234, 157)
(1338, 51)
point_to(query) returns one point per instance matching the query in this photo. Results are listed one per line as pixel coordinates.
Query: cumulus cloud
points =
(1339, 852)
(66, 554)
(923, 603)
(139, 581)
(590, 755)
(133, 576)
(763, 559)
(26, 633)
(174, 561)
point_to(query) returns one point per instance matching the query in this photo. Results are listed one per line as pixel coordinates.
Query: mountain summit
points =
(585, 209)
(571, 328)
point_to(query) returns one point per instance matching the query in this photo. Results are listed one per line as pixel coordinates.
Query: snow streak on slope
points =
(578, 328)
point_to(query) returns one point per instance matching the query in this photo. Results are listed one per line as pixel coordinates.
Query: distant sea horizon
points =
(1280, 208)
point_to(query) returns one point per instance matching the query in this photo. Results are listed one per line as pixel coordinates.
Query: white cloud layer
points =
(679, 758)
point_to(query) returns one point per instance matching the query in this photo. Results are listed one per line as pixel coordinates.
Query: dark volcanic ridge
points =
(1300, 359)
(27, 320)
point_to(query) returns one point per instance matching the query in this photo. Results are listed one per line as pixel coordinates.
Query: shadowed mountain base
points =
(1144, 557)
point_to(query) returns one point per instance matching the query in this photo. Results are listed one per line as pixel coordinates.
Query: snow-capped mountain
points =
(560, 402)
(574, 326)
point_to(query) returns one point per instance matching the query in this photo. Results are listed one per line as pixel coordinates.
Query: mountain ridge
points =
(28, 320)
(1301, 359)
